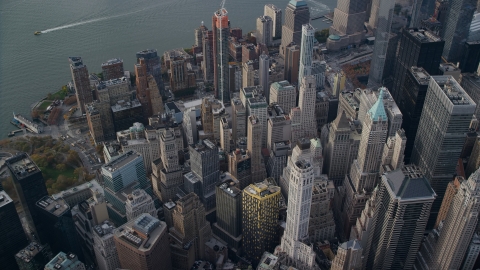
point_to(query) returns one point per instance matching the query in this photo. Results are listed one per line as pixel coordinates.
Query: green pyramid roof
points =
(378, 110)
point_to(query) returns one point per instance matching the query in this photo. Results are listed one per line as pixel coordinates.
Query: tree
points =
(61, 167)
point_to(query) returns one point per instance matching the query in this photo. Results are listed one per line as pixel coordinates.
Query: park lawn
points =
(52, 173)
(60, 95)
(44, 105)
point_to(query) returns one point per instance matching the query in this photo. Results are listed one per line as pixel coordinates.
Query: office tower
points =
(296, 118)
(221, 32)
(318, 71)
(349, 256)
(284, 94)
(179, 64)
(278, 159)
(474, 160)
(297, 14)
(381, 19)
(260, 207)
(365, 169)
(113, 90)
(212, 110)
(148, 90)
(57, 218)
(263, 75)
(264, 32)
(470, 55)
(306, 52)
(240, 167)
(81, 82)
(404, 199)
(450, 193)
(12, 236)
(106, 253)
(254, 146)
(449, 247)
(341, 148)
(393, 152)
(321, 225)
(445, 119)
(258, 106)
(248, 74)
(224, 135)
(143, 244)
(205, 170)
(65, 261)
(113, 69)
(189, 232)
(471, 84)
(199, 35)
(208, 56)
(279, 125)
(207, 118)
(100, 121)
(30, 187)
(239, 119)
(249, 52)
(153, 64)
(189, 125)
(299, 200)
(121, 177)
(229, 214)
(349, 17)
(411, 104)
(275, 13)
(125, 113)
(306, 103)
(338, 83)
(167, 173)
(420, 48)
(456, 27)
(292, 63)
(139, 202)
(33, 257)
(472, 253)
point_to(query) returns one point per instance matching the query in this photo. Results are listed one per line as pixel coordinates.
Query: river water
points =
(97, 30)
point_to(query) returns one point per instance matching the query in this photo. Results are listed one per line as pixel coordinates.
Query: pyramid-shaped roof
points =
(378, 110)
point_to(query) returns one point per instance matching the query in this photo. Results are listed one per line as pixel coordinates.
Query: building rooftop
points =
(352, 244)
(93, 185)
(297, 3)
(303, 164)
(424, 36)
(121, 161)
(268, 261)
(112, 82)
(57, 207)
(64, 262)
(141, 232)
(448, 67)
(147, 54)
(29, 252)
(112, 61)
(4, 198)
(203, 146)
(172, 107)
(75, 62)
(421, 75)
(262, 189)
(452, 89)
(405, 187)
(122, 105)
(21, 166)
(272, 6)
(104, 229)
(229, 186)
(169, 204)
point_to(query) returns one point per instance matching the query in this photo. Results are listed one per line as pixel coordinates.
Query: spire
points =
(378, 111)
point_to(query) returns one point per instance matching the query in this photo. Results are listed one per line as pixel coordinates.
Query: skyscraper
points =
(456, 27)
(208, 56)
(445, 119)
(258, 106)
(224, 135)
(260, 206)
(153, 64)
(349, 16)
(264, 32)
(30, 187)
(112, 69)
(143, 244)
(275, 13)
(404, 199)
(104, 245)
(448, 249)
(239, 167)
(139, 202)
(254, 146)
(81, 82)
(33, 257)
(292, 60)
(322, 224)
(381, 19)
(283, 93)
(169, 176)
(306, 52)
(248, 74)
(297, 14)
(65, 261)
(306, 103)
(349, 256)
(279, 126)
(221, 32)
(148, 92)
(239, 120)
(263, 75)
(12, 236)
(419, 48)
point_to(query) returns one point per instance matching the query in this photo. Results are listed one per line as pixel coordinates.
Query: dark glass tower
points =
(12, 236)
(153, 63)
(471, 57)
(30, 187)
(297, 14)
(419, 48)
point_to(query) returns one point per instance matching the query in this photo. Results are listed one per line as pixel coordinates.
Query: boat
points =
(36, 33)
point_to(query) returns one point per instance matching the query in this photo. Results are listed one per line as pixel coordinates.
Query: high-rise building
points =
(349, 17)
(349, 256)
(189, 125)
(284, 94)
(106, 253)
(258, 106)
(239, 119)
(297, 14)
(279, 125)
(278, 159)
(239, 167)
(471, 52)
(448, 248)
(471, 84)
(318, 71)
(189, 233)
(204, 163)
(33, 257)
(65, 261)
(254, 146)
(263, 75)
(179, 64)
(12, 236)
(381, 19)
(221, 32)
(456, 27)
(148, 92)
(275, 13)
(143, 244)
(420, 48)
(445, 120)
(139, 202)
(264, 32)
(260, 209)
(292, 63)
(306, 52)
(472, 253)
(199, 35)
(321, 225)
(248, 74)
(81, 82)
(208, 56)
(474, 160)
(100, 121)
(306, 103)
(404, 201)
(153, 64)
(30, 186)
(113, 69)
(113, 90)
(229, 214)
